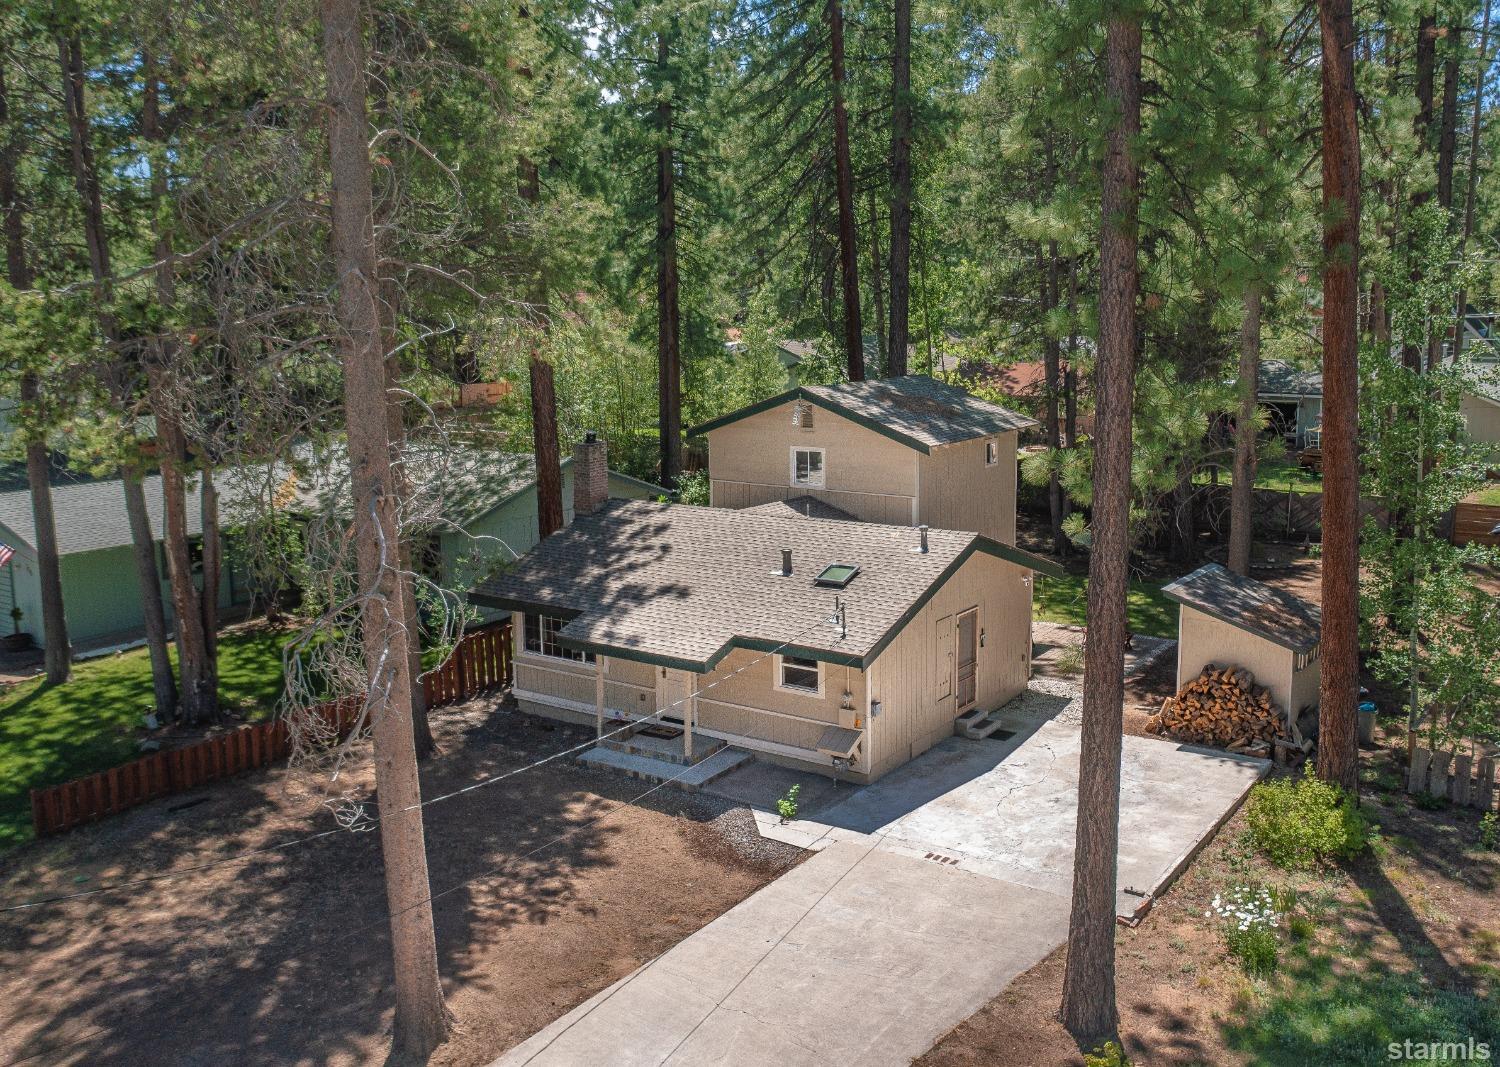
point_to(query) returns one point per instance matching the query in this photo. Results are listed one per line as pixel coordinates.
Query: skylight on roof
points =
(836, 575)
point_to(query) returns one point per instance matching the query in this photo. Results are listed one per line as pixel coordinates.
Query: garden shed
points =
(1231, 620)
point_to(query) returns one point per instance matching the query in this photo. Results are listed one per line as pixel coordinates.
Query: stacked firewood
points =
(1223, 708)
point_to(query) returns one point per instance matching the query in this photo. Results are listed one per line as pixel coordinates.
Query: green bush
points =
(1108, 1054)
(692, 488)
(1489, 832)
(786, 807)
(1303, 822)
(1254, 946)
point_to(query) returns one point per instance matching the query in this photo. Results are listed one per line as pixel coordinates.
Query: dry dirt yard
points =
(284, 959)
(1402, 942)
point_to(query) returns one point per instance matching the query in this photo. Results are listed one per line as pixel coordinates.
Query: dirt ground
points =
(546, 890)
(1390, 935)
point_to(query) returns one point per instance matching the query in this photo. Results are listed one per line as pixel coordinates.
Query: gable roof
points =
(914, 410)
(1280, 378)
(681, 586)
(1264, 610)
(91, 516)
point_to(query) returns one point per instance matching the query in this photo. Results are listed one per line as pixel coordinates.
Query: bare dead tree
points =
(421, 1018)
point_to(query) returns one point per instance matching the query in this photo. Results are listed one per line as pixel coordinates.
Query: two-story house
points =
(904, 451)
(829, 621)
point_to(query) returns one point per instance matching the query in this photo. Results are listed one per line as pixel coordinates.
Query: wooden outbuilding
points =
(1230, 620)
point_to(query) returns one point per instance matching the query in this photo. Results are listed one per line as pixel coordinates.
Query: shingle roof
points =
(680, 586)
(917, 411)
(1280, 378)
(807, 507)
(1263, 610)
(91, 516)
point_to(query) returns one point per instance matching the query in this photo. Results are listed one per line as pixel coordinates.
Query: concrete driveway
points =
(930, 891)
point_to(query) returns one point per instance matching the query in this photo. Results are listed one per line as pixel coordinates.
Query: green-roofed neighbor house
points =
(488, 502)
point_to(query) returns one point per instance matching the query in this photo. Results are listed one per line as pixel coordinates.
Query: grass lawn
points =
(1064, 600)
(1487, 496)
(1278, 474)
(49, 734)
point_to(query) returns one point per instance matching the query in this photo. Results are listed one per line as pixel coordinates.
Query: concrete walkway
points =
(929, 892)
(858, 956)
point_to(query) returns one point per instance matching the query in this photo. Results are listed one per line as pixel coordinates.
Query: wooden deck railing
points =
(481, 661)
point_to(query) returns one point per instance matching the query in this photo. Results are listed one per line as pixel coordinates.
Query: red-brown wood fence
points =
(482, 660)
(1473, 523)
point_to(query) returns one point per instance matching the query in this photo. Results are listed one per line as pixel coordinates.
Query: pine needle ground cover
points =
(51, 734)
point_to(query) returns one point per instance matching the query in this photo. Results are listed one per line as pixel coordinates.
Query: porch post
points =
(688, 715)
(598, 696)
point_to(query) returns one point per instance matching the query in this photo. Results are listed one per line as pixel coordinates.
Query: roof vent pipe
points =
(923, 531)
(786, 562)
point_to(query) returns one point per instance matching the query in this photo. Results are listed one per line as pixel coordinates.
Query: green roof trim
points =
(801, 393)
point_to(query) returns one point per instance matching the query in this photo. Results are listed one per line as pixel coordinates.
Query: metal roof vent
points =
(786, 562)
(836, 575)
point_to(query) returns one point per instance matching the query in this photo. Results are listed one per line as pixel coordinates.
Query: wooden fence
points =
(1467, 782)
(1277, 514)
(1473, 524)
(481, 661)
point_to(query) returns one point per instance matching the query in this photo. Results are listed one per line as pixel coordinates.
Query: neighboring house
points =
(821, 643)
(1294, 399)
(101, 593)
(902, 451)
(792, 353)
(1228, 619)
(488, 511)
(479, 504)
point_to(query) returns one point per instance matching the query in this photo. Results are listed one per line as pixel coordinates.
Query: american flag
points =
(5, 553)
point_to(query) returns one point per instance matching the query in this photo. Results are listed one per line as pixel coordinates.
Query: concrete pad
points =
(849, 958)
(1008, 809)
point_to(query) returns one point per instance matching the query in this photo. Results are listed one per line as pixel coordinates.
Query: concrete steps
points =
(666, 749)
(976, 725)
(678, 774)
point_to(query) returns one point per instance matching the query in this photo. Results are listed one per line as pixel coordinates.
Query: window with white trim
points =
(807, 467)
(541, 639)
(799, 674)
(991, 453)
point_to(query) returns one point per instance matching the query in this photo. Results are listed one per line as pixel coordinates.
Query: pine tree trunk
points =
(1242, 489)
(544, 435)
(1341, 170)
(1070, 375)
(213, 562)
(1088, 1001)
(901, 122)
(197, 698)
(421, 1020)
(57, 652)
(854, 340)
(143, 542)
(1473, 171)
(1448, 123)
(668, 318)
(1052, 362)
(877, 290)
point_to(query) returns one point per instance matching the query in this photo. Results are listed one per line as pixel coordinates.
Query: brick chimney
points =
(590, 475)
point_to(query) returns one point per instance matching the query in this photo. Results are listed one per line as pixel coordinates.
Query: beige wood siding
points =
(629, 687)
(1203, 639)
(910, 676)
(1305, 685)
(961, 492)
(1483, 418)
(749, 463)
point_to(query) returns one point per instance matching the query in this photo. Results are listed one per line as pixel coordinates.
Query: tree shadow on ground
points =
(285, 958)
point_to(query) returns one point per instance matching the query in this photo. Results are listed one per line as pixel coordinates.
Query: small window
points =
(799, 675)
(806, 420)
(991, 453)
(541, 639)
(807, 467)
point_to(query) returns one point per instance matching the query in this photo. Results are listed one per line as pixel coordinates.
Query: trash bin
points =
(1367, 723)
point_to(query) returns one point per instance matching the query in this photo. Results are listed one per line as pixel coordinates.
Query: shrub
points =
(1255, 948)
(1489, 832)
(1303, 822)
(692, 488)
(1108, 1054)
(786, 807)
